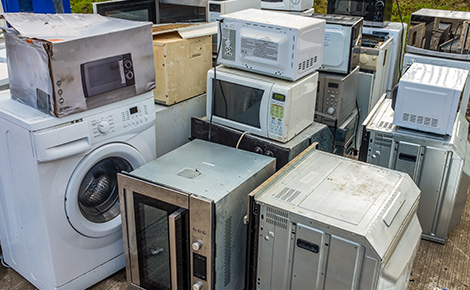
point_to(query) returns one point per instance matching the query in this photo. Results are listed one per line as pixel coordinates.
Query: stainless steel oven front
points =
(183, 217)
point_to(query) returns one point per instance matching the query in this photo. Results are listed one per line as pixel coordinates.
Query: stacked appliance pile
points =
(80, 112)
(425, 135)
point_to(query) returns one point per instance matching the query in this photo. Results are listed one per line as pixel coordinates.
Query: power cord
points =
(400, 62)
(240, 139)
(215, 77)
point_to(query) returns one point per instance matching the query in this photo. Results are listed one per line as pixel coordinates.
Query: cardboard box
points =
(67, 63)
(183, 55)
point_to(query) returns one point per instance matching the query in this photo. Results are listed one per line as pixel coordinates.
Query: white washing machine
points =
(60, 224)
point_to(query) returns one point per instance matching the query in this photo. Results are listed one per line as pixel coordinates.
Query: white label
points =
(259, 48)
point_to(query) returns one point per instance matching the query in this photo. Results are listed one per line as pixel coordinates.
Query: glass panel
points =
(347, 7)
(238, 103)
(171, 13)
(153, 243)
(104, 73)
(137, 15)
(98, 196)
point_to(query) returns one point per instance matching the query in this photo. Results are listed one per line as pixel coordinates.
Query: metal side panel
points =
(276, 237)
(344, 264)
(460, 198)
(309, 250)
(407, 159)
(380, 149)
(431, 182)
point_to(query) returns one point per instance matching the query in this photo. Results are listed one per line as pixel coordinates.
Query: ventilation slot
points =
(386, 125)
(413, 118)
(228, 251)
(383, 140)
(406, 117)
(307, 64)
(434, 123)
(427, 121)
(276, 217)
(287, 194)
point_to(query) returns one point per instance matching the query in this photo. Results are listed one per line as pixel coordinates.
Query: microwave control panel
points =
(277, 114)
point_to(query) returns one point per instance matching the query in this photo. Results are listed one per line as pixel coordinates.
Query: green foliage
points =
(82, 6)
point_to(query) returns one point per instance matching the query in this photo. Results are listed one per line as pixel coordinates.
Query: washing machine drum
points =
(92, 198)
(98, 197)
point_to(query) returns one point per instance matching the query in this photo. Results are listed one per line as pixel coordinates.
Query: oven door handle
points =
(172, 220)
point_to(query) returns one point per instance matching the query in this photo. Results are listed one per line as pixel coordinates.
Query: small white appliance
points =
(343, 36)
(261, 105)
(329, 222)
(411, 58)
(215, 8)
(429, 97)
(375, 54)
(395, 31)
(287, 5)
(271, 43)
(60, 224)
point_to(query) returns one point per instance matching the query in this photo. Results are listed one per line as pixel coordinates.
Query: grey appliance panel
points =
(380, 150)
(344, 262)
(310, 250)
(433, 178)
(408, 157)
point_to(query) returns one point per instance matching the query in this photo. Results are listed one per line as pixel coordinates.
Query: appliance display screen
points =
(133, 110)
(279, 97)
(106, 73)
(333, 85)
(238, 103)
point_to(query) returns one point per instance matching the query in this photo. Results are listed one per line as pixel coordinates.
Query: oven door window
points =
(138, 10)
(347, 7)
(238, 103)
(162, 243)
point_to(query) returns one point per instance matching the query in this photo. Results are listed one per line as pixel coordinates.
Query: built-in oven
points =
(183, 217)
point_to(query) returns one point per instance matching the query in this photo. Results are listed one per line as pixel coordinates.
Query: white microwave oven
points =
(215, 8)
(261, 105)
(429, 97)
(272, 43)
(287, 5)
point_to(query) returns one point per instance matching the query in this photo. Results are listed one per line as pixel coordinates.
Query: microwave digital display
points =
(238, 103)
(107, 74)
(279, 97)
(133, 110)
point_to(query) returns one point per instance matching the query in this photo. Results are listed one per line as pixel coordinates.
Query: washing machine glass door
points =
(92, 198)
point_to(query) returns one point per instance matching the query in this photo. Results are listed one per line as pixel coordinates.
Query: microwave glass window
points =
(153, 244)
(238, 103)
(346, 7)
(138, 10)
(103, 74)
(136, 15)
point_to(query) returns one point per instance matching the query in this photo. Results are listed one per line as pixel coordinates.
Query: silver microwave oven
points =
(183, 217)
(264, 106)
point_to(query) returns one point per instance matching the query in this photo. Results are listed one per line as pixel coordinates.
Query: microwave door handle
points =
(172, 220)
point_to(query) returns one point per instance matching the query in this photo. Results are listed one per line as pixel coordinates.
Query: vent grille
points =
(276, 217)
(420, 120)
(306, 64)
(228, 251)
(386, 125)
(287, 194)
(383, 140)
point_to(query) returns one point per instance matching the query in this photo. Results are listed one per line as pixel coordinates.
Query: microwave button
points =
(330, 110)
(127, 64)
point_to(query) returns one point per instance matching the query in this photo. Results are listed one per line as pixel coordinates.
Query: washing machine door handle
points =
(62, 142)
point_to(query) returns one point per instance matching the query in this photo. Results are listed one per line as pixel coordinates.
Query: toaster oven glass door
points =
(162, 243)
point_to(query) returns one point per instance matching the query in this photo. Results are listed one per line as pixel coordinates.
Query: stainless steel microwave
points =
(183, 217)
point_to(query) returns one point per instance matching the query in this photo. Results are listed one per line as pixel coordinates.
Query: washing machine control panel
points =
(122, 119)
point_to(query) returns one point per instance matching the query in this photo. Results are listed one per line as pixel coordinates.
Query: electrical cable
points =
(240, 139)
(215, 77)
(400, 62)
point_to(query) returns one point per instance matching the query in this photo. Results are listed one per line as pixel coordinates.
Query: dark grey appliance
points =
(375, 12)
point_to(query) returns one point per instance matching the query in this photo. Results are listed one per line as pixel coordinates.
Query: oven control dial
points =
(197, 285)
(103, 127)
(197, 245)
(330, 110)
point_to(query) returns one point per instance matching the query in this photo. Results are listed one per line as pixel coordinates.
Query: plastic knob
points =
(197, 245)
(258, 150)
(269, 153)
(197, 285)
(331, 110)
(379, 4)
(103, 127)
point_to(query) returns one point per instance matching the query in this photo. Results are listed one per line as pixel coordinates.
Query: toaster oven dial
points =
(103, 127)
(197, 245)
(330, 110)
(197, 285)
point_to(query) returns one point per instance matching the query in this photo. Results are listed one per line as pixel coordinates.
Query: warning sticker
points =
(327, 39)
(259, 48)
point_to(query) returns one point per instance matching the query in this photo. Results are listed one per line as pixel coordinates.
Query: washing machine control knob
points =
(103, 127)
(197, 285)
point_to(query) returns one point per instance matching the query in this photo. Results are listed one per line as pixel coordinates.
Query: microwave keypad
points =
(200, 266)
(331, 102)
(276, 124)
